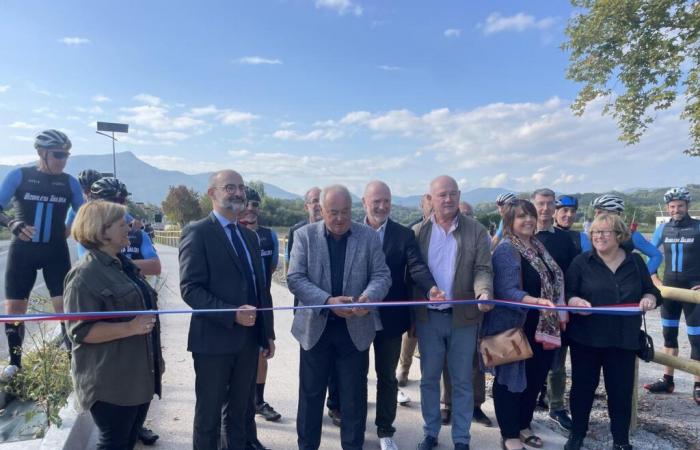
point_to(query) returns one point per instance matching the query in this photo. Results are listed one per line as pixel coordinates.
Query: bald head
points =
(376, 202)
(227, 193)
(444, 197)
(336, 209)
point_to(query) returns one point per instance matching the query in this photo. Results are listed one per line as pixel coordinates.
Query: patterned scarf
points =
(552, 281)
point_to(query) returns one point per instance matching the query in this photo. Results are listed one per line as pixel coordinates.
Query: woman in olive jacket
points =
(117, 362)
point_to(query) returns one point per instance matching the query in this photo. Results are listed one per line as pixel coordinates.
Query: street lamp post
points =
(103, 127)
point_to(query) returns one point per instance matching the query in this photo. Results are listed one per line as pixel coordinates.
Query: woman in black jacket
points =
(606, 275)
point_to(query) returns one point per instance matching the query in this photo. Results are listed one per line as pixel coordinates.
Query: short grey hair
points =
(544, 192)
(308, 193)
(335, 188)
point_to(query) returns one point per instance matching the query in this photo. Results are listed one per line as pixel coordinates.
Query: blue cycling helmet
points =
(567, 201)
(52, 140)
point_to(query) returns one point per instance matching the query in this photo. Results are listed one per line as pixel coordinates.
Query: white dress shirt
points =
(442, 257)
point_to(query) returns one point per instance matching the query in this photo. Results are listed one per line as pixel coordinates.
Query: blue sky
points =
(304, 92)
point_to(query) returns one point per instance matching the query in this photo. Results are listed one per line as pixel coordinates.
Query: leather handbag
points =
(503, 348)
(646, 344)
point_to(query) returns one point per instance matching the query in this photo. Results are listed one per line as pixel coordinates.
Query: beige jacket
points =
(473, 274)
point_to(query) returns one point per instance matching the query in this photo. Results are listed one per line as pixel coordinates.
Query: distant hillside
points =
(145, 182)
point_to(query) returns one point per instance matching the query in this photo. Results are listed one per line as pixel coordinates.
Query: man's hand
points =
(269, 352)
(657, 281)
(246, 318)
(359, 312)
(341, 312)
(695, 288)
(436, 295)
(647, 304)
(21, 230)
(142, 324)
(484, 307)
(580, 303)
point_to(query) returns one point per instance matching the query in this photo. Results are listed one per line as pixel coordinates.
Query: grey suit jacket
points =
(309, 279)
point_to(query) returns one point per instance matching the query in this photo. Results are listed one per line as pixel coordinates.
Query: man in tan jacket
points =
(456, 249)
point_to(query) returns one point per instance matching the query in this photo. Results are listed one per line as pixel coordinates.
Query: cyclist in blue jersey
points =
(501, 201)
(85, 179)
(42, 195)
(565, 216)
(680, 238)
(614, 204)
(269, 248)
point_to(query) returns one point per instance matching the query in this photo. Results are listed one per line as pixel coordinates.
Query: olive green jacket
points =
(473, 273)
(122, 371)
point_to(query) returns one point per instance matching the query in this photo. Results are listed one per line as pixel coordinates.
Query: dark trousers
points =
(514, 410)
(251, 429)
(387, 350)
(334, 351)
(118, 426)
(333, 401)
(219, 380)
(618, 373)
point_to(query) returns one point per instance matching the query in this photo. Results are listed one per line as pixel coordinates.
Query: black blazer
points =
(407, 266)
(211, 277)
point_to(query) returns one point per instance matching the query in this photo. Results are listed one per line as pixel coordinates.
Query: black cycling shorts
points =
(24, 259)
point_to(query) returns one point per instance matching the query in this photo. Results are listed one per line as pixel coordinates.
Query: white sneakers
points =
(402, 398)
(387, 443)
(8, 373)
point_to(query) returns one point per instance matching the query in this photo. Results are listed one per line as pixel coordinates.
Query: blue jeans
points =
(439, 339)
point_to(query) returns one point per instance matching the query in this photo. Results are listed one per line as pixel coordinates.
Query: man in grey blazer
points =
(333, 262)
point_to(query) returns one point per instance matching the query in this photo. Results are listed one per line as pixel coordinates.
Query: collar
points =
(104, 258)
(684, 221)
(223, 220)
(453, 227)
(328, 234)
(381, 228)
(550, 229)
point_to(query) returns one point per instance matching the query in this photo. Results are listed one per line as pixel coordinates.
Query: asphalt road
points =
(39, 289)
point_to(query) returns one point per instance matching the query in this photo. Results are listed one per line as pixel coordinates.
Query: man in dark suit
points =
(404, 260)
(335, 262)
(221, 268)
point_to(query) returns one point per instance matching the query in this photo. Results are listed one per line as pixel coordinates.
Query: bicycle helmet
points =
(504, 198)
(677, 193)
(251, 195)
(110, 189)
(567, 201)
(88, 176)
(52, 140)
(609, 202)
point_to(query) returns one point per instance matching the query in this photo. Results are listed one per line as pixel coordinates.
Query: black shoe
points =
(574, 443)
(334, 414)
(562, 419)
(541, 402)
(459, 446)
(446, 416)
(480, 417)
(255, 445)
(696, 395)
(427, 443)
(267, 412)
(660, 386)
(148, 437)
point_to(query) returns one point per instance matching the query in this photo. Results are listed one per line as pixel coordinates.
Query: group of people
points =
(336, 265)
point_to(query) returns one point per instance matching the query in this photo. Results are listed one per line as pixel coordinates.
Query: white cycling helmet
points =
(504, 198)
(609, 202)
(677, 193)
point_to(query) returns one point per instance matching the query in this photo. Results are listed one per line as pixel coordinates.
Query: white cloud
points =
(171, 135)
(99, 98)
(4, 88)
(356, 117)
(452, 33)
(169, 162)
(313, 135)
(496, 23)
(23, 126)
(203, 111)
(148, 99)
(236, 117)
(257, 60)
(14, 160)
(23, 138)
(239, 153)
(390, 68)
(74, 41)
(92, 110)
(340, 6)
(157, 118)
(498, 180)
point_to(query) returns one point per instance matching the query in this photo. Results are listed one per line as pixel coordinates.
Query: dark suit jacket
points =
(406, 265)
(211, 277)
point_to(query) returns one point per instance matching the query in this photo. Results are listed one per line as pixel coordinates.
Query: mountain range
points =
(150, 184)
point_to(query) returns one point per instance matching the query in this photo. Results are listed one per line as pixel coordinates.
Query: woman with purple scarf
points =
(524, 272)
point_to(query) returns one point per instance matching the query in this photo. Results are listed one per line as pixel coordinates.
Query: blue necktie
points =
(247, 269)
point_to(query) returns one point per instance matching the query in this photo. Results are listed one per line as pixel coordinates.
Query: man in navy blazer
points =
(406, 265)
(221, 268)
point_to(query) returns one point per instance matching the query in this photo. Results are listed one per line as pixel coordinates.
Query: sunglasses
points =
(60, 155)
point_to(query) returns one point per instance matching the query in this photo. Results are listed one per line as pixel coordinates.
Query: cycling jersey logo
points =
(44, 198)
(681, 240)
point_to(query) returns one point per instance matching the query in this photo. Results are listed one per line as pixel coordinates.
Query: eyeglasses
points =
(606, 233)
(232, 188)
(254, 204)
(60, 155)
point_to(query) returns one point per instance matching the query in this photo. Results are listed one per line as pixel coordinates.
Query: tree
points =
(258, 187)
(205, 204)
(181, 205)
(649, 48)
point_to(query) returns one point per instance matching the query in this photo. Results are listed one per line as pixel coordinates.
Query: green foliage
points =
(258, 187)
(181, 205)
(648, 50)
(489, 219)
(205, 204)
(45, 377)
